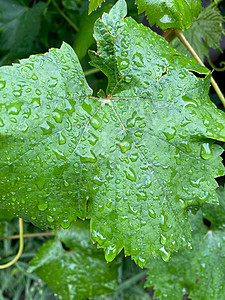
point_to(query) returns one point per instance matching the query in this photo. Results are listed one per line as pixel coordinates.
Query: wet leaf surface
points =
(170, 13)
(132, 162)
(200, 271)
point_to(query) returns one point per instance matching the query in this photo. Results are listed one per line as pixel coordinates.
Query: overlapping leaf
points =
(204, 33)
(132, 162)
(199, 272)
(80, 271)
(170, 13)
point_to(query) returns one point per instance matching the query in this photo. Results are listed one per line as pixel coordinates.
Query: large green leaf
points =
(15, 38)
(204, 33)
(170, 13)
(135, 160)
(78, 272)
(199, 272)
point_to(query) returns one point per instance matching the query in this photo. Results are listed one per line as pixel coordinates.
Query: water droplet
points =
(164, 254)
(88, 157)
(65, 223)
(47, 127)
(130, 174)
(58, 115)
(96, 122)
(17, 93)
(1, 122)
(170, 134)
(152, 213)
(132, 210)
(128, 78)
(125, 144)
(2, 84)
(163, 239)
(42, 206)
(61, 138)
(206, 151)
(124, 63)
(50, 219)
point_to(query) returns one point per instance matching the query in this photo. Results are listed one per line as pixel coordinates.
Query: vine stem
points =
(20, 248)
(194, 54)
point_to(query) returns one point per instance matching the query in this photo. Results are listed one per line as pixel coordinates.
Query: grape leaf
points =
(204, 33)
(14, 36)
(132, 162)
(78, 272)
(94, 4)
(170, 13)
(199, 272)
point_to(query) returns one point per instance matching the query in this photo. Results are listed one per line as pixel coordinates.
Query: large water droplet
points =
(2, 84)
(130, 174)
(164, 254)
(206, 151)
(96, 122)
(125, 144)
(42, 206)
(50, 219)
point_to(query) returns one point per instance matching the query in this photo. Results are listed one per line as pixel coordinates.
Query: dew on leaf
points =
(162, 239)
(61, 138)
(58, 115)
(47, 127)
(125, 144)
(2, 84)
(42, 206)
(170, 133)
(130, 174)
(96, 122)
(1, 122)
(88, 157)
(152, 213)
(50, 219)
(164, 254)
(206, 151)
(132, 210)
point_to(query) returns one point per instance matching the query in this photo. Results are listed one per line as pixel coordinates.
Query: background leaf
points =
(80, 270)
(199, 272)
(204, 33)
(15, 39)
(170, 13)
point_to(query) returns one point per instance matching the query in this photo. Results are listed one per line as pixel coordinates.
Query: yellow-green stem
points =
(194, 54)
(20, 248)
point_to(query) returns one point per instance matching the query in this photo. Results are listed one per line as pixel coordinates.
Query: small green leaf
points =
(204, 33)
(198, 272)
(78, 272)
(170, 13)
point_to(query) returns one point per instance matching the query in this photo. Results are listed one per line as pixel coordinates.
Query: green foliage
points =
(65, 271)
(170, 13)
(14, 36)
(199, 272)
(134, 194)
(134, 161)
(204, 33)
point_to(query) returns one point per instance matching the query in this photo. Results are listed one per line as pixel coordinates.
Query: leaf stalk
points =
(185, 42)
